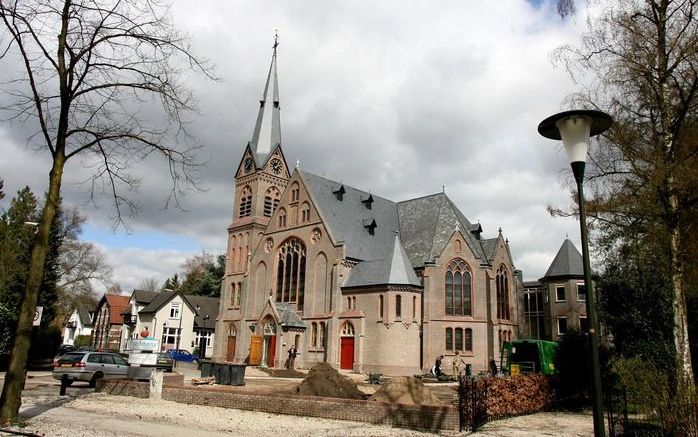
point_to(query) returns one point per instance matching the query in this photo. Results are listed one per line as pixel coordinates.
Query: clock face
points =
(248, 165)
(276, 165)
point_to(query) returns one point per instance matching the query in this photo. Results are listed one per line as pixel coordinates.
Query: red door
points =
(346, 360)
(271, 350)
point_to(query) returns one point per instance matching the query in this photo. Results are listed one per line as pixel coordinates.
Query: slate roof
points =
(567, 262)
(345, 219)
(267, 131)
(427, 224)
(288, 316)
(392, 270)
(117, 304)
(144, 296)
(489, 247)
(207, 306)
(158, 301)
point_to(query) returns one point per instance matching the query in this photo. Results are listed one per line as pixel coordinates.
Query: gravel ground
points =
(101, 415)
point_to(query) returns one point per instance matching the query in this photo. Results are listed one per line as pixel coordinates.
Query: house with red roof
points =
(108, 321)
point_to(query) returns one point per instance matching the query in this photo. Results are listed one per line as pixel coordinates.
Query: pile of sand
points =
(323, 380)
(405, 390)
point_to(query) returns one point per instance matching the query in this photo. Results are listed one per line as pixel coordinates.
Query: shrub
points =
(82, 340)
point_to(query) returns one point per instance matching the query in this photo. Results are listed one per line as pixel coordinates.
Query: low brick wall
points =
(431, 418)
(425, 417)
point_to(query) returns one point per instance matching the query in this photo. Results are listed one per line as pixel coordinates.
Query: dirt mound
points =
(323, 380)
(405, 390)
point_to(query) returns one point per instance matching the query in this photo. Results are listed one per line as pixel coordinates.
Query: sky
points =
(400, 98)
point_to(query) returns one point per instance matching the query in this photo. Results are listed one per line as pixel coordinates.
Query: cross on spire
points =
(276, 40)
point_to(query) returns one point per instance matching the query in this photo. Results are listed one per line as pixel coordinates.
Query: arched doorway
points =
(269, 342)
(346, 347)
(232, 337)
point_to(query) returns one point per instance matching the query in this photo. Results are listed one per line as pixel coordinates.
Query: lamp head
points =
(575, 128)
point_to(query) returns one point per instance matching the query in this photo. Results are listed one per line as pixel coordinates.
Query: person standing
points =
(292, 352)
(437, 365)
(493, 367)
(457, 363)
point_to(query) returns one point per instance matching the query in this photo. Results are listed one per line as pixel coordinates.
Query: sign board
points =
(37, 316)
(144, 344)
(142, 359)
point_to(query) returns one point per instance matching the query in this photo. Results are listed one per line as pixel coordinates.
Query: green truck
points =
(528, 356)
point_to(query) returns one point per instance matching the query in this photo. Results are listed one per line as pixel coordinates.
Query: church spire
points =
(267, 131)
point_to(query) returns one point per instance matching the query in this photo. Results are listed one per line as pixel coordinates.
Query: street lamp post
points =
(575, 128)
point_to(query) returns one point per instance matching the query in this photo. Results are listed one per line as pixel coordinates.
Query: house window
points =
(245, 202)
(468, 340)
(459, 339)
(561, 325)
(560, 293)
(174, 310)
(290, 274)
(502, 283)
(170, 336)
(203, 334)
(305, 213)
(449, 339)
(583, 324)
(581, 292)
(282, 218)
(380, 306)
(398, 306)
(271, 201)
(458, 289)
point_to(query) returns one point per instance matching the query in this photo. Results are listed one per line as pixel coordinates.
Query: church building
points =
(350, 278)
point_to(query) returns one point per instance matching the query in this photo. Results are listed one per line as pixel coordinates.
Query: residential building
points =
(180, 322)
(108, 322)
(350, 278)
(556, 303)
(79, 323)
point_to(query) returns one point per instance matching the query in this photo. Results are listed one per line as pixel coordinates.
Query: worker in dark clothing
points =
(493, 367)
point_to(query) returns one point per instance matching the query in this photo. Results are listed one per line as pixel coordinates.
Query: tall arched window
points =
(305, 212)
(457, 291)
(290, 273)
(295, 192)
(459, 339)
(246, 202)
(313, 334)
(380, 305)
(282, 218)
(271, 201)
(468, 340)
(347, 329)
(502, 282)
(398, 306)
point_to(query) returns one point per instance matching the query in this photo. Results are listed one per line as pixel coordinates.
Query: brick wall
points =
(431, 418)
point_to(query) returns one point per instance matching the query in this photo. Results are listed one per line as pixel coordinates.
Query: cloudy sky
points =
(400, 98)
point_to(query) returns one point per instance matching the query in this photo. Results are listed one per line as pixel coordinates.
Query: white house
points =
(79, 323)
(178, 321)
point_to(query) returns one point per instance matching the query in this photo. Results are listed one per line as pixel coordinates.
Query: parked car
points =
(90, 367)
(183, 355)
(64, 349)
(164, 362)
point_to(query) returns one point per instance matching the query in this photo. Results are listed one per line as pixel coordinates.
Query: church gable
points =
(275, 164)
(296, 208)
(247, 164)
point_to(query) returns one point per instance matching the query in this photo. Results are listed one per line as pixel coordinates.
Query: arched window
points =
(295, 192)
(271, 201)
(457, 291)
(459, 339)
(313, 334)
(305, 212)
(502, 283)
(457, 246)
(321, 334)
(380, 306)
(449, 339)
(282, 218)
(269, 327)
(347, 329)
(398, 306)
(246, 202)
(468, 340)
(290, 273)
(414, 307)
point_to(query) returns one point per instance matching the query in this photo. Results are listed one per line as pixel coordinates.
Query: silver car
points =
(90, 366)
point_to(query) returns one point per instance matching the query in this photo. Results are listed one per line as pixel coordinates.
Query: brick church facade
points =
(350, 278)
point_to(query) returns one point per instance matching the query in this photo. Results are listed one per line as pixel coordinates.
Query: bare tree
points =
(90, 70)
(640, 60)
(149, 284)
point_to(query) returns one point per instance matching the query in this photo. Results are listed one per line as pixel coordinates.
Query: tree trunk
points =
(11, 398)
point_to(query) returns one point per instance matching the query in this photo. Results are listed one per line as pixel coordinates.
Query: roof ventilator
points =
(370, 224)
(367, 201)
(476, 230)
(339, 193)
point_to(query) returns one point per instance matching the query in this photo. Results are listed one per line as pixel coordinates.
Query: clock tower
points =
(261, 178)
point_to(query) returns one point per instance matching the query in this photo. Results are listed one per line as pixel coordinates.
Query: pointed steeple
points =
(401, 271)
(267, 131)
(567, 262)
